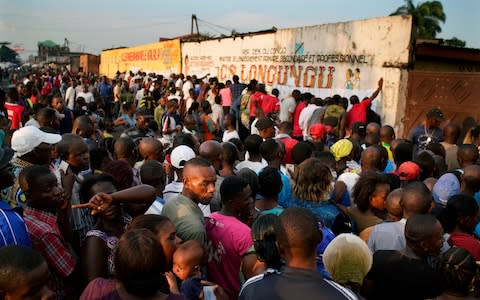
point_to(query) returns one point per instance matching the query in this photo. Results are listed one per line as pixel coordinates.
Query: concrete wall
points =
(346, 58)
(89, 63)
(161, 58)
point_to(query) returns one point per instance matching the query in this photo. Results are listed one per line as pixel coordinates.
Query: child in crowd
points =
(152, 173)
(75, 164)
(24, 274)
(187, 264)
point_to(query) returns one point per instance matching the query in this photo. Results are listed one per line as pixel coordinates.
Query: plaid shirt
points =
(48, 241)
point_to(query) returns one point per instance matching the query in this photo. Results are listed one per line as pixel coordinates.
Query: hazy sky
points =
(91, 26)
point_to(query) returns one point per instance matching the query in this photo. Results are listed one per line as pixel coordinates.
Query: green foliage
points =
(7, 54)
(455, 42)
(427, 17)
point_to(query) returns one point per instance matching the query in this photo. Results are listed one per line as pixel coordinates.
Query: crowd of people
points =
(148, 187)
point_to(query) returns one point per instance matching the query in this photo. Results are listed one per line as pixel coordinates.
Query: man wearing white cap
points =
(32, 147)
(179, 156)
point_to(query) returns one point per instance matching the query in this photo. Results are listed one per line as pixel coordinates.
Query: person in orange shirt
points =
(208, 127)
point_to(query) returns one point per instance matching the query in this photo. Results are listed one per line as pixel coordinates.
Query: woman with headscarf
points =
(343, 151)
(347, 259)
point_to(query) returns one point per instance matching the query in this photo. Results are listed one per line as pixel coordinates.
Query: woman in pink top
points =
(226, 94)
(229, 239)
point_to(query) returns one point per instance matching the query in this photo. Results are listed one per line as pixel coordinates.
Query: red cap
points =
(408, 171)
(318, 131)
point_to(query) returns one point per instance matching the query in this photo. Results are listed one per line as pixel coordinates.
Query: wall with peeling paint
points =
(346, 58)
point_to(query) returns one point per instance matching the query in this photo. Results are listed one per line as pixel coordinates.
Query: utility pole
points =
(194, 21)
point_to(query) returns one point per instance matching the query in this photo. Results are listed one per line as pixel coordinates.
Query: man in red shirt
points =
(358, 112)
(14, 109)
(297, 131)
(270, 103)
(256, 100)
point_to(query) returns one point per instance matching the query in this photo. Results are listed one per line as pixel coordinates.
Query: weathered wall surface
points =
(161, 58)
(346, 58)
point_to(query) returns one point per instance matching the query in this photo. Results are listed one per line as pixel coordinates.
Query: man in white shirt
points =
(254, 161)
(306, 114)
(179, 82)
(88, 96)
(287, 106)
(71, 94)
(187, 85)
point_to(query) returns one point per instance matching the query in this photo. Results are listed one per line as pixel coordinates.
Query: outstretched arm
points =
(138, 194)
(380, 86)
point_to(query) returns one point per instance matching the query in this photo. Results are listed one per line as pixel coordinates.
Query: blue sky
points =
(94, 25)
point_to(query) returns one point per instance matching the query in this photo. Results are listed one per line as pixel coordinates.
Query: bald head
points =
(387, 134)
(213, 152)
(199, 180)
(47, 117)
(420, 228)
(83, 126)
(371, 159)
(373, 128)
(416, 199)
(471, 180)
(124, 148)
(392, 205)
(467, 154)
(151, 149)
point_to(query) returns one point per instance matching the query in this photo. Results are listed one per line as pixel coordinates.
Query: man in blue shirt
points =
(12, 227)
(427, 133)
(106, 92)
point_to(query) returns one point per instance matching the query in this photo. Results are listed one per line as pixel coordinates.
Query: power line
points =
(216, 25)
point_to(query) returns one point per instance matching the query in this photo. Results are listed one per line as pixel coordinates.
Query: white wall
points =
(316, 59)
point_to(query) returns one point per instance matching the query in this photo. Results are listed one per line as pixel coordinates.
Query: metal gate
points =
(456, 94)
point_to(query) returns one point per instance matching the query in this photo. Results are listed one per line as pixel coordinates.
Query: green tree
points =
(7, 54)
(454, 41)
(427, 17)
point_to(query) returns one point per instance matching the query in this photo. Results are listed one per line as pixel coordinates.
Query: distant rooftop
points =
(48, 43)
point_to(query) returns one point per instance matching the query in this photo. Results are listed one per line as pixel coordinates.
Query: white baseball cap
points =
(180, 155)
(27, 138)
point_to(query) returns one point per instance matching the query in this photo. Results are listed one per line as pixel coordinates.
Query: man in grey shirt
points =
(416, 199)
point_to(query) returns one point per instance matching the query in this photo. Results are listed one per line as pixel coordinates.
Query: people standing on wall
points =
(358, 112)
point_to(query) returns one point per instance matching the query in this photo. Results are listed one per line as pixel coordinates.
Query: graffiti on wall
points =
(275, 66)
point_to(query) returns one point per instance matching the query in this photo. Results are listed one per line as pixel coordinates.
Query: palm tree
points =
(427, 17)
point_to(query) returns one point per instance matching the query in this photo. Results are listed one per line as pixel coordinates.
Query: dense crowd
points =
(148, 187)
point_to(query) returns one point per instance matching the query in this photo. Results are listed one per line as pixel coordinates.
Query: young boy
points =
(229, 123)
(47, 212)
(24, 274)
(73, 151)
(152, 173)
(187, 264)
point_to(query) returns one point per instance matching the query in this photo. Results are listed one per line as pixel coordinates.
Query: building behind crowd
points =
(343, 58)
